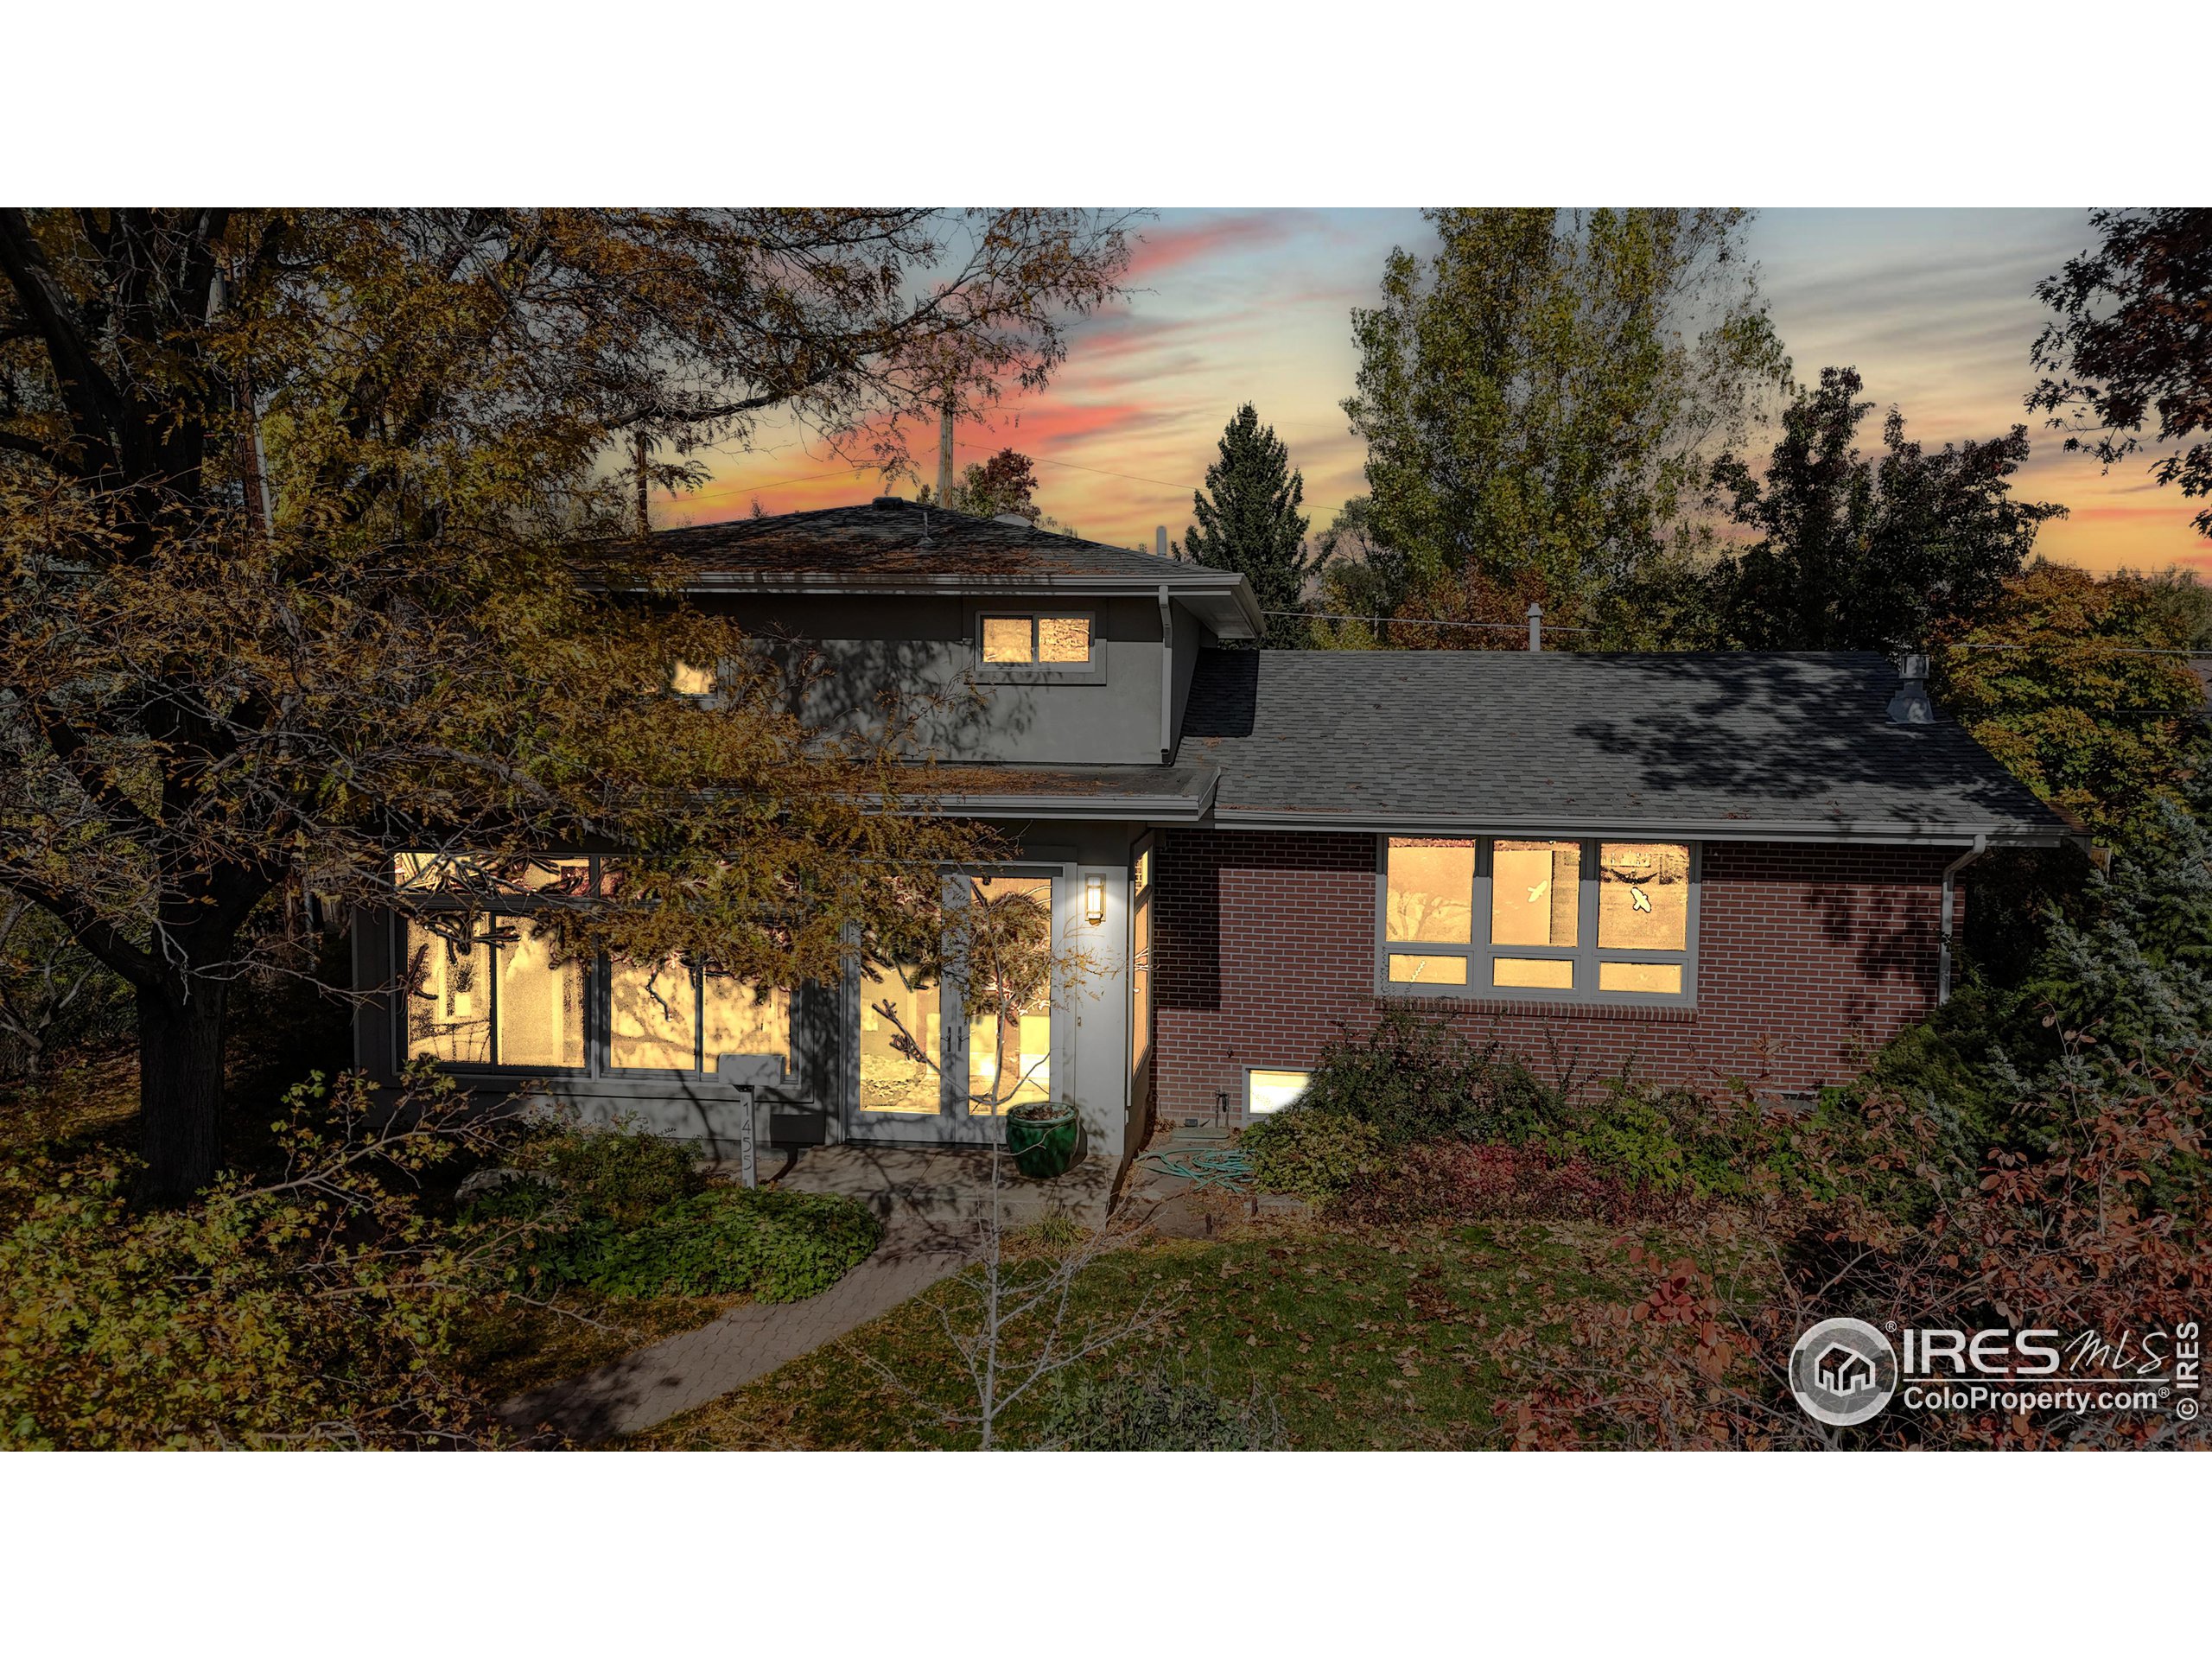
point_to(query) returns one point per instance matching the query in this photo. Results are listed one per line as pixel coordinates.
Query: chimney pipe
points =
(1911, 707)
(1159, 540)
(1536, 626)
(944, 453)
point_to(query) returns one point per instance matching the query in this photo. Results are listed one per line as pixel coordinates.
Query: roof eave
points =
(1879, 832)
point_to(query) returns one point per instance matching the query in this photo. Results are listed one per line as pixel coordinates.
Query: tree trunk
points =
(180, 1089)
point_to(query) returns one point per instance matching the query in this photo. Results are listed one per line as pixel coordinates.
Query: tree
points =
(2080, 685)
(1005, 483)
(1249, 521)
(1857, 554)
(316, 534)
(2135, 335)
(1539, 395)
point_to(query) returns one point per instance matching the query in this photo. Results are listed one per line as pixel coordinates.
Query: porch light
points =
(1094, 899)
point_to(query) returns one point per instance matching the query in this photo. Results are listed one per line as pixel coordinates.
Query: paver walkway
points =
(670, 1377)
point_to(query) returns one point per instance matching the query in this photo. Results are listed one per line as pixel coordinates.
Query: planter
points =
(1044, 1147)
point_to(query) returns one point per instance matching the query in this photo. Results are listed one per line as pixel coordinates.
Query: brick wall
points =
(1808, 958)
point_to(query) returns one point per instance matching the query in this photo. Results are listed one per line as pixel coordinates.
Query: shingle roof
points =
(886, 538)
(1738, 743)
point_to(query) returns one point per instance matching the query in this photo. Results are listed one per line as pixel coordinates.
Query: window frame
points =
(491, 915)
(1480, 953)
(1090, 670)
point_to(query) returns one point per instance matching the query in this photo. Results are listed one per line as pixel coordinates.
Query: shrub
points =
(318, 1309)
(1161, 1411)
(624, 1213)
(782, 1247)
(1417, 1080)
(1311, 1154)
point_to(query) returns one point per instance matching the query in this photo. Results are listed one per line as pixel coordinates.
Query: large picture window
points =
(1601, 921)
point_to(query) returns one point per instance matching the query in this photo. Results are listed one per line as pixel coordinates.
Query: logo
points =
(1843, 1372)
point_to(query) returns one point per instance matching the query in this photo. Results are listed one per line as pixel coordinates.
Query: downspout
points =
(1943, 949)
(1166, 676)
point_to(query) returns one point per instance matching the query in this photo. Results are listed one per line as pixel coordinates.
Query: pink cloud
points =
(1158, 251)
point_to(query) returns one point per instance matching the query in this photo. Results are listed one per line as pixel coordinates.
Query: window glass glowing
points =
(448, 997)
(1062, 639)
(688, 680)
(1534, 892)
(541, 1005)
(742, 1019)
(1270, 1091)
(1428, 971)
(892, 1081)
(1643, 896)
(652, 1018)
(1429, 897)
(1006, 639)
(1664, 978)
(1010, 1039)
(1544, 973)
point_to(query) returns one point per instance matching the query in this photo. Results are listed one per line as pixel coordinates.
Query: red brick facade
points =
(1808, 958)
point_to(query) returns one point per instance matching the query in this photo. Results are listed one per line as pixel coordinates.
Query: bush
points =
(318, 1309)
(1417, 1080)
(781, 1246)
(1162, 1411)
(1311, 1154)
(623, 1213)
(1454, 1181)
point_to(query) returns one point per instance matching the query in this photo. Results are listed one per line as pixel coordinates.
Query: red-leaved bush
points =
(1489, 1181)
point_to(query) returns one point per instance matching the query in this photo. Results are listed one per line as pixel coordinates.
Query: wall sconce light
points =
(1094, 899)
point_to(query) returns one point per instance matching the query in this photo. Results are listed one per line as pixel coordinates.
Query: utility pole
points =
(944, 453)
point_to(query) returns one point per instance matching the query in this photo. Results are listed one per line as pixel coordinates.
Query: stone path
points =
(655, 1383)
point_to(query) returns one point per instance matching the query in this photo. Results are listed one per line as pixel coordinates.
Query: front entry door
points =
(927, 1068)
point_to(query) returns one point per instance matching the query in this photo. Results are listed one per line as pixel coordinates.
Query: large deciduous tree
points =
(314, 547)
(1249, 521)
(2133, 340)
(1541, 397)
(1855, 552)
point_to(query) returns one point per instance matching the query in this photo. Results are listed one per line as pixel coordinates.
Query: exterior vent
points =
(1910, 707)
(1009, 519)
(890, 501)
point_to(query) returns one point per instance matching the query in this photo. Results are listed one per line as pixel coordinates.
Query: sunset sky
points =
(1935, 308)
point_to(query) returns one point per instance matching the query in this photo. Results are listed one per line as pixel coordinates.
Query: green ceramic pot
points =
(1044, 1147)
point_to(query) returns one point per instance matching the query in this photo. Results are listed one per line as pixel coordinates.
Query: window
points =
(485, 990)
(671, 1017)
(1023, 640)
(1268, 1090)
(1009, 943)
(1552, 919)
(900, 1013)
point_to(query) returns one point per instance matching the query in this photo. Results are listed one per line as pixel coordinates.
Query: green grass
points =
(1364, 1339)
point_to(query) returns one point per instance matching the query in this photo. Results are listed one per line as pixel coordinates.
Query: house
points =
(1844, 1371)
(1709, 867)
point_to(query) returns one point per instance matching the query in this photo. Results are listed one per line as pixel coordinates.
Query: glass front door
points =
(941, 1048)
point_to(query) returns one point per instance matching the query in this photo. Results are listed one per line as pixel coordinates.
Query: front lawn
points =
(1363, 1338)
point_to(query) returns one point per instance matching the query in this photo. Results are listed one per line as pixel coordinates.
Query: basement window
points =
(1269, 1089)
(1540, 919)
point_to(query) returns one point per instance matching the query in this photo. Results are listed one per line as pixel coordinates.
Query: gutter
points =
(1943, 948)
(1167, 675)
(1876, 832)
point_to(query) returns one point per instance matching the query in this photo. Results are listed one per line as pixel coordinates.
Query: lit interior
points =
(1062, 639)
(1428, 901)
(1643, 896)
(653, 1020)
(689, 680)
(1541, 973)
(1535, 892)
(1428, 971)
(742, 1019)
(1010, 1054)
(541, 1006)
(890, 1081)
(1006, 640)
(448, 999)
(1663, 977)
(1272, 1090)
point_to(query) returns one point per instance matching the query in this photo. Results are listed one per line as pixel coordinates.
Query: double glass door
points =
(948, 1040)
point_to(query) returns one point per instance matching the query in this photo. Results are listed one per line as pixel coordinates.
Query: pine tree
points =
(1252, 524)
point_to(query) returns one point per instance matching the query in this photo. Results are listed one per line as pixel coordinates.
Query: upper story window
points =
(1601, 921)
(1036, 639)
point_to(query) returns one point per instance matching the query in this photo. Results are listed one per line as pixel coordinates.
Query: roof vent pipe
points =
(1159, 540)
(1910, 707)
(1536, 626)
